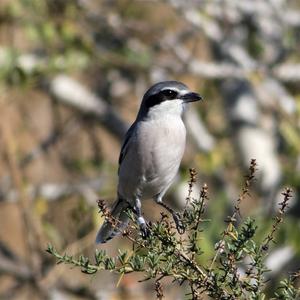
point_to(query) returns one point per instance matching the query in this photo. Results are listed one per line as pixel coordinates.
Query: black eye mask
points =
(161, 97)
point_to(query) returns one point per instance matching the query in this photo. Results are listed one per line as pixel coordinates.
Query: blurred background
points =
(72, 74)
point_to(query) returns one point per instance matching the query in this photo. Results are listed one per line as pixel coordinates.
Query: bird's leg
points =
(140, 219)
(176, 216)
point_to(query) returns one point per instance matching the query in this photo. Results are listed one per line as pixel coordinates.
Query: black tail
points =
(107, 230)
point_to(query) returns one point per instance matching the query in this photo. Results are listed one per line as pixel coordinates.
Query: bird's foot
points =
(179, 223)
(145, 231)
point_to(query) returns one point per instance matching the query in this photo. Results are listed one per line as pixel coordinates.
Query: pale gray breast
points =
(153, 157)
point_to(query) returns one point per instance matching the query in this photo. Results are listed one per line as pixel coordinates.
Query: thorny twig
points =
(168, 256)
(193, 179)
(283, 206)
(256, 271)
(232, 219)
(159, 290)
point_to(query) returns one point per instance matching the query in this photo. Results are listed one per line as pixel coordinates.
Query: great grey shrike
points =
(150, 155)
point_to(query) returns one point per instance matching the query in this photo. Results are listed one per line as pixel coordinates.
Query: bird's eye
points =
(170, 94)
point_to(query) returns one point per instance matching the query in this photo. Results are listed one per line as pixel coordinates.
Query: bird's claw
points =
(145, 232)
(179, 224)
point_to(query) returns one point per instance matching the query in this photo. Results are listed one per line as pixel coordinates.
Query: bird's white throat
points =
(166, 108)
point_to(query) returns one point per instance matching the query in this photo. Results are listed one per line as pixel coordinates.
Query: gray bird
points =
(150, 155)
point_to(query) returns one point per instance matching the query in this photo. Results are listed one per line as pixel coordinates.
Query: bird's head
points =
(167, 97)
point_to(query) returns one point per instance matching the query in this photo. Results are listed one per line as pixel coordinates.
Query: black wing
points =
(125, 143)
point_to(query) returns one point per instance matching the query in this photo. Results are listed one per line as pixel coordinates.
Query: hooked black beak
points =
(191, 97)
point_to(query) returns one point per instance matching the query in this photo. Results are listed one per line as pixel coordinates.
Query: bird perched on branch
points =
(150, 156)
